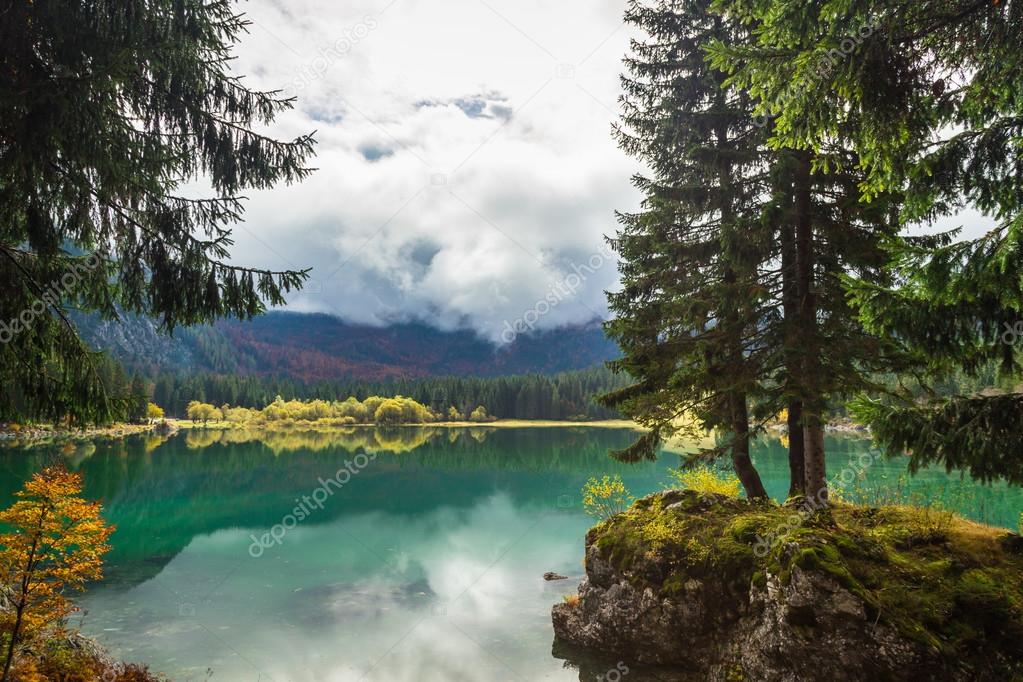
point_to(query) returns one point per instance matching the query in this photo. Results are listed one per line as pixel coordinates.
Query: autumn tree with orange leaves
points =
(54, 543)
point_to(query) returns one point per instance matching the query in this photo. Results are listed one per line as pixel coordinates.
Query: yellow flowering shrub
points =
(606, 497)
(705, 479)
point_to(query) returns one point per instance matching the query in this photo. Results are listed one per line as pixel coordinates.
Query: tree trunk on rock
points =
(741, 461)
(816, 472)
(797, 470)
(816, 486)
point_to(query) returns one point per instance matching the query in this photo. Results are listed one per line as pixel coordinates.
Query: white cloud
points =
(465, 158)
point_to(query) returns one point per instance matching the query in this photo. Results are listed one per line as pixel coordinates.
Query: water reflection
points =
(427, 565)
(368, 439)
(451, 594)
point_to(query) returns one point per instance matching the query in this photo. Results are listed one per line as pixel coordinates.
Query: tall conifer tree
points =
(691, 315)
(107, 109)
(929, 100)
(733, 306)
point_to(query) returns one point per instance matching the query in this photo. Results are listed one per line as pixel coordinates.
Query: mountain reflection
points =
(425, 565)
(161, 492)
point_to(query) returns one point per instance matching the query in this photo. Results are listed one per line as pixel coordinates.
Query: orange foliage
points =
(54, 544)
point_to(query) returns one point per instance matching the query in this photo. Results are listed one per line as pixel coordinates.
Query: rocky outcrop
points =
(671, 583)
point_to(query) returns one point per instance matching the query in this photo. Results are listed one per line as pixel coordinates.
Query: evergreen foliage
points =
(107, 111)
(975, 434)
(929, 103)
(566, 396)
(693, 308)
(733, 309)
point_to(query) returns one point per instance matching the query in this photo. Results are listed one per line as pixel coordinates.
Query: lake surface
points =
(250, 557)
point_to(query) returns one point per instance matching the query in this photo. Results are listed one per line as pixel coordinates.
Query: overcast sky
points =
(467, 174)
(466, 166)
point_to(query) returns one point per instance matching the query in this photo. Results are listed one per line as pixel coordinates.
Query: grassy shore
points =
(500, 424)
(45, 433)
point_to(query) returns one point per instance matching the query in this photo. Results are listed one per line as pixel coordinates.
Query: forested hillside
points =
(566, 395)
(312, 348)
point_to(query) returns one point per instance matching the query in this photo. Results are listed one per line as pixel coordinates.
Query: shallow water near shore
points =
(410, 554)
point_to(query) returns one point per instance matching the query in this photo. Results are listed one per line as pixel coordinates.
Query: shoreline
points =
(499, 423)
(43, 434)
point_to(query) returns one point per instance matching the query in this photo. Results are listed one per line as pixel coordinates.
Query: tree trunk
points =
(732, 324)
(816, 472)
(791, 338)
(22, 600)
(797, 472)
(741, 461)
(14, 641)
(816, 484)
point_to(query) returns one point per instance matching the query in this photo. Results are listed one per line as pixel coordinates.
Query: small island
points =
(736, 590)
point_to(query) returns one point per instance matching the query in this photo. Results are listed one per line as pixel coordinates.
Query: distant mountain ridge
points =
(314, 347)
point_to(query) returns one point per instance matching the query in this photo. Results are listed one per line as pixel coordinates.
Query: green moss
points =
(659, 535)
(748, 527)
(735, 673)
(826, 558)
(674, 585)
(946, 583)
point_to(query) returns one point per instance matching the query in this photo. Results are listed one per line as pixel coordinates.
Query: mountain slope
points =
(317, 347)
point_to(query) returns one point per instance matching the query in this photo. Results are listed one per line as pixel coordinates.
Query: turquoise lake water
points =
(406, 555)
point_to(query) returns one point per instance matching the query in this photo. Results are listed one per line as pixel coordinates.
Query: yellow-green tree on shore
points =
(374, 409)
(154, 412)
(203, 412)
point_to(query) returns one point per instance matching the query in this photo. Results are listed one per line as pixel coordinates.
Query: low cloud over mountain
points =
(463, 194)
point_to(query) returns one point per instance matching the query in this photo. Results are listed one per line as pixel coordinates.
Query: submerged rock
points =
(724, 589)
(550, 575)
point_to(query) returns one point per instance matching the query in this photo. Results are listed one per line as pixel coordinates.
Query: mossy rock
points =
(950, 588)
(680, 534)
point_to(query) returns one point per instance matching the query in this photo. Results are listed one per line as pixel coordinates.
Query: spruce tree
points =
(107, 110)
(958, 303)
(139, 398)
(733, 307)
(929, 101)
(692, 311)
(830, 232)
